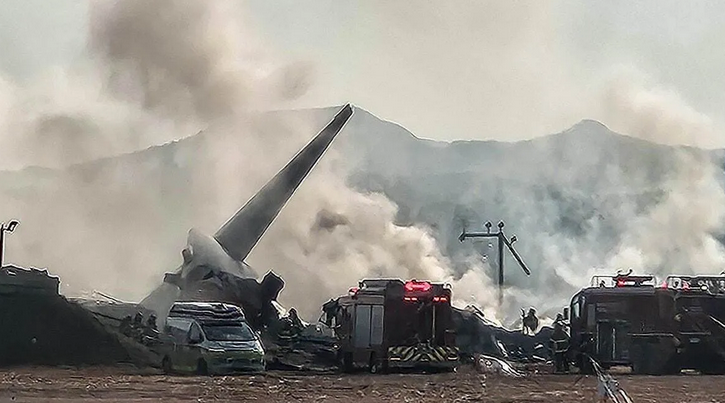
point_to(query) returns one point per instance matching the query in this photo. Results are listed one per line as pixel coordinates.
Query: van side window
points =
(195, 332)
(178, 328)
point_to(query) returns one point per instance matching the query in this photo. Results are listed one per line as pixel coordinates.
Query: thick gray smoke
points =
(154, 72)
(678, 233)
(160, 71)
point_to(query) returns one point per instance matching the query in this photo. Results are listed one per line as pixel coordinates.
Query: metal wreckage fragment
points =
(607, 386)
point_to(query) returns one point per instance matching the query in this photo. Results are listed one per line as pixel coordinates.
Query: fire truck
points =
(630, 320)
(388, 323)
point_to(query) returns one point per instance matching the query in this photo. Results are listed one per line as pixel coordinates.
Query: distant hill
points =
(568, 197)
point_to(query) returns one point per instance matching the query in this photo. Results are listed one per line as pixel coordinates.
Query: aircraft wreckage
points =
(214, 269)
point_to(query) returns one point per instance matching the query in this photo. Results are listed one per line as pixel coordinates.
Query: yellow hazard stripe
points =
(422, 353)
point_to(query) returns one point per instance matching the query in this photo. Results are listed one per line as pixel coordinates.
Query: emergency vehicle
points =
(388, 323)
(632, 320)
(697, 309)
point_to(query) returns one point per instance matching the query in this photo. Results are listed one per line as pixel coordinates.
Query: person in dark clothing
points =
(137, 328)
(151, 322)
(560, 345)
(296, 322)
(125, 327)
(151, 332)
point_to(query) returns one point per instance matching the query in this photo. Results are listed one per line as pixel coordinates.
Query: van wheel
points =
(201, 368)
(166, 365)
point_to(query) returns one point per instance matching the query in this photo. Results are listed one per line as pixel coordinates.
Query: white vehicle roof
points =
(207, 310)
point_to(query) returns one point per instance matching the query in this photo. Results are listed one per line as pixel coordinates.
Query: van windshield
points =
(240, 332)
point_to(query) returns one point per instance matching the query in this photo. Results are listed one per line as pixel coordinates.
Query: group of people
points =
(136, 329)
(558, 342)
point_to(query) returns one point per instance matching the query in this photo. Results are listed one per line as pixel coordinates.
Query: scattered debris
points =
(608, 387)
(476, 334)
(486, 364)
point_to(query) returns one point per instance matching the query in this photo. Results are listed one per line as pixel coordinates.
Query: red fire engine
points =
(386, 323)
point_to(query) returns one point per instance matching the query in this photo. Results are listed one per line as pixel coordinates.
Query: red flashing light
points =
(422, 286)
(353, 290)
(621, 283)
(664, 285)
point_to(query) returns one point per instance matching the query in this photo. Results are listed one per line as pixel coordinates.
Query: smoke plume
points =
(161, 71)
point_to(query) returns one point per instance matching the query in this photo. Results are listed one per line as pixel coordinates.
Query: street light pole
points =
(501, 237)
(3, 228)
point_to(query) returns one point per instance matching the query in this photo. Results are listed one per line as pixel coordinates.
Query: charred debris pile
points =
(38, 326)
(476, 335)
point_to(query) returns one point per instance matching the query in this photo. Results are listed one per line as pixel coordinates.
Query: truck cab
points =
(210, 338)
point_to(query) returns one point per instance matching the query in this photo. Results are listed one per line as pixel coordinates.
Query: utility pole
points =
(3, 228)
(501, 237)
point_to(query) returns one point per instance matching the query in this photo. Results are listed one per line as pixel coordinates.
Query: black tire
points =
(347, 362)
(640, 363)
(585, 366)
(639, 367)
(202, 368)
(166, 365)
(375, 366)
(717, 369)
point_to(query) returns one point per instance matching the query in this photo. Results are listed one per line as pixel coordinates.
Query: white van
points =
(210, 338)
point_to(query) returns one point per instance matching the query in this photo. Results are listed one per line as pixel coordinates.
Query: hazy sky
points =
(450, 70)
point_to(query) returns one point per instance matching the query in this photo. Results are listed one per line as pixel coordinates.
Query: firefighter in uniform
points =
(126, 327)
(290, 327)
(560, 345)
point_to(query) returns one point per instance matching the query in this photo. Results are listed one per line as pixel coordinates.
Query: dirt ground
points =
(129, 385)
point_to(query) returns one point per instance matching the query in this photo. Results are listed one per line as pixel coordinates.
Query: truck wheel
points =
(374, 364)
(638, 359)
(716, 369)
(166, 365)
(201, 368)
(347, 362)
(585, 366)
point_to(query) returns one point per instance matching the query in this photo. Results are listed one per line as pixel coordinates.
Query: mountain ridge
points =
(591, 126)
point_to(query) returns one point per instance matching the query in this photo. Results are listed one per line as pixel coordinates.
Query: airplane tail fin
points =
(242, 232)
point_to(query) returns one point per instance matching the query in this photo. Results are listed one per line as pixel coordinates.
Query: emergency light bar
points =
(635, 282)
(710, 284)
(417, 286)
(622, 281)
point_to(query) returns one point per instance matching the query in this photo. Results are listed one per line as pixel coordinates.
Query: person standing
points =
(559, 342)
